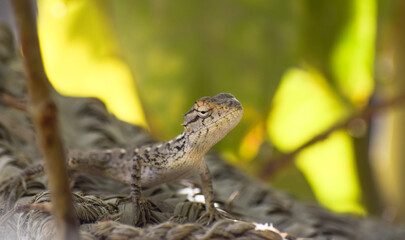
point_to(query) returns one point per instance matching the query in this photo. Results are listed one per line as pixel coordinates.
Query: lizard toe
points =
(212, 215)
(144, 213)
(9, 190)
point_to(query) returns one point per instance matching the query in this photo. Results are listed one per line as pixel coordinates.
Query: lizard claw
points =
(9, 190)
(143, 213)
(212, 215)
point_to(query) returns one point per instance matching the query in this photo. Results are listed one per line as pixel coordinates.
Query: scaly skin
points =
(207, 122)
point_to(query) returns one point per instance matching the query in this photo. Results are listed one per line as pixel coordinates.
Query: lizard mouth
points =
(232, 122)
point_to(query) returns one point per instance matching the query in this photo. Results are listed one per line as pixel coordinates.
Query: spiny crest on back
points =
(213, 117)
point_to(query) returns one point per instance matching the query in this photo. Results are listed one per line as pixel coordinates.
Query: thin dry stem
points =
(276, 165)
(44, 115)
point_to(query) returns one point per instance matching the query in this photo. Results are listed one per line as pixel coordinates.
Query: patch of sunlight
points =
(251, 142)
(265, 227)
(353, 56)
(194, 195)
(304, 106)
(58, 9)
(230, 156)
(329, 168)
(76, 66)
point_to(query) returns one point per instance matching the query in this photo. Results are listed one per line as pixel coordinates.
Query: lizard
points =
(206, 123)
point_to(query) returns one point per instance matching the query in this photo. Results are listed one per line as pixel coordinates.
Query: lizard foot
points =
(143, 213)
(212, 215)
(9, 191)
(14, 187)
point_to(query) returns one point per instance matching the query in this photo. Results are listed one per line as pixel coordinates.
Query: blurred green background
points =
(298, 67)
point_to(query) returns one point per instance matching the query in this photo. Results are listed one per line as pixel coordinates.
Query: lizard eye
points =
(203, 113)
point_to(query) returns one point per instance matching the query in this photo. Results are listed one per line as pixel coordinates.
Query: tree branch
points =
(276, 165)
(44, 115)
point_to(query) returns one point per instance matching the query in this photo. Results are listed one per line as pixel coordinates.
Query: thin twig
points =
(11, 101)
(276, 165)
(44, 115)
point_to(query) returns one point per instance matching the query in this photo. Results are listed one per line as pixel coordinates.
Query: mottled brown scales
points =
(206, 123)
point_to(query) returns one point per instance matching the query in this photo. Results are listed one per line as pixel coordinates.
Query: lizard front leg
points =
(211, 212)
(9, 189)
(141, 206)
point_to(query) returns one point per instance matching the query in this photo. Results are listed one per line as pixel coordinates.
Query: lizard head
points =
(211, 118)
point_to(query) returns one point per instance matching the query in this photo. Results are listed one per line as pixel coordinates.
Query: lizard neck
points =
(187, 145)
(197, 143)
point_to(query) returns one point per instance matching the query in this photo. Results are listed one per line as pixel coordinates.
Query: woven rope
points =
(35, 223)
